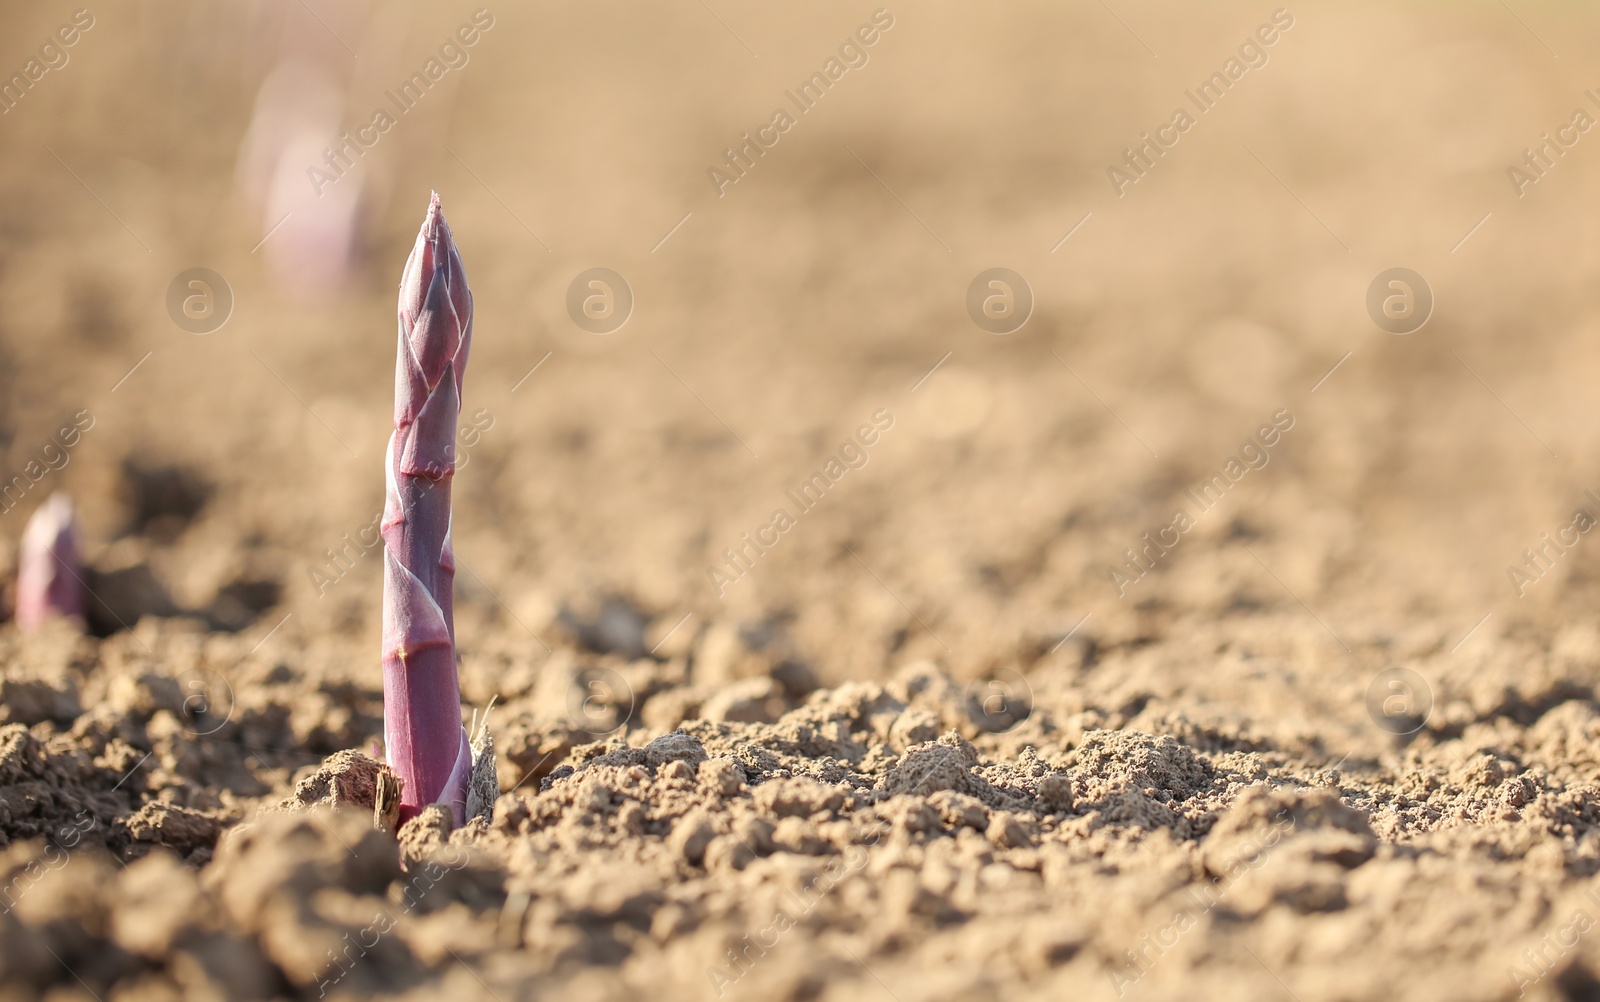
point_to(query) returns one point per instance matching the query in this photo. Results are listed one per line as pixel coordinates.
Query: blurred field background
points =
(771, 321)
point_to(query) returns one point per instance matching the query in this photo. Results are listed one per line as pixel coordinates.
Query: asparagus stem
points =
(427, 745)
(49, 572)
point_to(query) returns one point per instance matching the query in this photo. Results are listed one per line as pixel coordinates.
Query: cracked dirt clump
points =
(944, 764)
(347, 780)
(733, 852)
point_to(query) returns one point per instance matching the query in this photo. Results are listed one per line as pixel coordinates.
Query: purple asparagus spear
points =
(49, 574)
(426, 743)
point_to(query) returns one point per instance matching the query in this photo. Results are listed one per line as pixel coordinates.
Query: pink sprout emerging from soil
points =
(49, 572)
(427, 745)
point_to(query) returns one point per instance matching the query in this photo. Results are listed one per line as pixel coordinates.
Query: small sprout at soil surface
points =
(49, 571)
(427, 746)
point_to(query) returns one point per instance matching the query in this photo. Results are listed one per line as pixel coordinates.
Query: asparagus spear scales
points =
(49, 575)
(427, 745)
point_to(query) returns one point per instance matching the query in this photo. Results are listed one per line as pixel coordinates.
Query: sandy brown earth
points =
(1330, 731)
